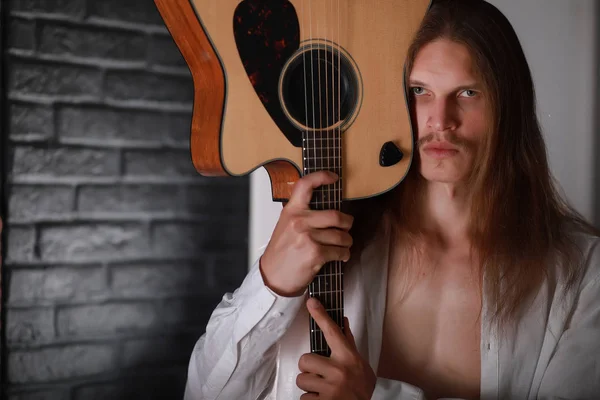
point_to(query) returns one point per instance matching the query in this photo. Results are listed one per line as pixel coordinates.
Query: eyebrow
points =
(473, 85)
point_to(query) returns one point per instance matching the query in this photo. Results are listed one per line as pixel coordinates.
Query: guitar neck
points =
(322, 151)
(328, 288)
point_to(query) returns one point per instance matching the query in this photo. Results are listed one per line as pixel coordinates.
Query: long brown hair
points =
(519, 224)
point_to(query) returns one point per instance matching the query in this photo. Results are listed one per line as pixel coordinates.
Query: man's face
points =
(450, 111)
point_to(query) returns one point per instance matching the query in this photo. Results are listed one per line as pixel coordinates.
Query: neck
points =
(446, 211)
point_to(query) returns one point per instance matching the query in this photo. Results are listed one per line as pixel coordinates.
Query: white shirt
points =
(254, 339)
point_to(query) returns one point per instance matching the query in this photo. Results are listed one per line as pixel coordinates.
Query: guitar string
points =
(337, 147)
(339, 275)
(307, 144)
(327, 267)
(333, 294)
(318, 132)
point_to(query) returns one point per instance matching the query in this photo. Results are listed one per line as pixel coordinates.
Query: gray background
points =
(116, 250)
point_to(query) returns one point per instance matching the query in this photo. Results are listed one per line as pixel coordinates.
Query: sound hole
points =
(319, 88)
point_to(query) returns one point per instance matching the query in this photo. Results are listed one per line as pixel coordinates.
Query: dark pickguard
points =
(267, 33)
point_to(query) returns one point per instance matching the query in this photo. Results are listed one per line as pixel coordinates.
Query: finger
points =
(332, 332)
(330, 219)
(311, 383)
(348, 333)
(303, 188)
(332, 237)
(332, 253)
(316, 364)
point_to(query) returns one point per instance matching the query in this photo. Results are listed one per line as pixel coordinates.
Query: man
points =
(474, 279)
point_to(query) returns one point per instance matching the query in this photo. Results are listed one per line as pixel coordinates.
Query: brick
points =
(136, 11)
(189, 313)
(21, 34)
(20, 243)
(170, 350)
(133, 198)
(178, 240)
(163, 51)
(50, 394)
(107, 123)
(65, 161)
(27, 327)
(179, 129)
(95, 242)
(67, 39)
(219, 196)
(159, 163)
(192, 240)
(65, 362)
(31, 118)
(27, 202)
(113, 319)
(53, 79)
(149, 281)
(73, 8)
(141, 85)
(57, 284)
(106, 319)
(230, 269)
(100, 391)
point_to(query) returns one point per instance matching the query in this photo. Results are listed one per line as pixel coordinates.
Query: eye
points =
(418, 90)
(468, 93)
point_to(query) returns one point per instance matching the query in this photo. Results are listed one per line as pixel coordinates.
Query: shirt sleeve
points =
(235, 358)
(389, 389)
(574, 370)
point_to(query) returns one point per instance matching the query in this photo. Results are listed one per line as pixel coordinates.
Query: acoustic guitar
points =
(296, 87)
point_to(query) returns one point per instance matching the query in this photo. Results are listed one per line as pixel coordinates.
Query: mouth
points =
(439, 151)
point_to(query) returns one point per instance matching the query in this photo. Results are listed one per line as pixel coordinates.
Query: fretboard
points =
(322, 151)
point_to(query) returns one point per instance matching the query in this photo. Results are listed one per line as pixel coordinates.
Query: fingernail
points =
(313, 303)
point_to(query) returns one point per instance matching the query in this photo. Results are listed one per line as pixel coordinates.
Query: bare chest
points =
(431, 332)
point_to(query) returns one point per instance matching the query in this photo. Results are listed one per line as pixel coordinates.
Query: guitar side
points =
(210, 89)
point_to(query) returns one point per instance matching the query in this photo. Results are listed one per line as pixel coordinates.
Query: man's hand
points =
(344, 375)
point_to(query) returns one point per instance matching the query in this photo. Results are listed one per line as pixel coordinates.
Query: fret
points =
(326, 197)
(337, 171)
(334, 140)
(327, 292)
(325, 158)
(327, 188)
(322, 143)
(322, 153)
(323, 134)
(320, 164)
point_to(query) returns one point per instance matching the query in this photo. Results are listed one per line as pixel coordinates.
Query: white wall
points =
(559, 40)
(263, 213)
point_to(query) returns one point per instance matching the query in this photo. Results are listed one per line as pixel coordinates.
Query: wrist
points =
(272, 287)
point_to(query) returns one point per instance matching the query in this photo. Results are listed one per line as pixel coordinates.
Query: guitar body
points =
(251, 106)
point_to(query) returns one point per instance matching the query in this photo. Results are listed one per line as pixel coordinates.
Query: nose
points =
(442, 115)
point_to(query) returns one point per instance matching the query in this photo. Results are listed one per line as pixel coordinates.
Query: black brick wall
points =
(116, 249)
